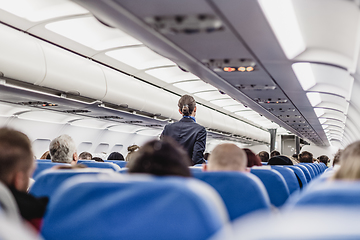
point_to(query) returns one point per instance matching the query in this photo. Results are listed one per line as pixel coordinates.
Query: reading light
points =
(229, 69)
(242, 69)
(304, 74)
(249, 69)
(282, 19)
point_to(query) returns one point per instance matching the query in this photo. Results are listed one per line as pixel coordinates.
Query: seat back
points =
(309, 168)
(120, 163)
(335, 193)
(289, 176)
(131, 207)
(305, 171)
(300, 175)
(275, 185)
(42, 165)
(242, 193)
(47, 182)
(94, 164)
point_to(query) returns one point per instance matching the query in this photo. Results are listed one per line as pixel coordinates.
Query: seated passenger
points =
(280, 160)
(264, 156)
(252, 159)
(324, 159)
(63, 150)
(131, 151)
(85, 156)
(274, 153)
(336, 161)
(226, 157)
(350, 162)
(46, 155)
(16, 167)
(162, 158)
(116, 156)
(306, 157)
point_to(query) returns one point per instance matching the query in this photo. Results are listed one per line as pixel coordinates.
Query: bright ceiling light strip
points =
(282, 18)
(304, 74)
(314, 98)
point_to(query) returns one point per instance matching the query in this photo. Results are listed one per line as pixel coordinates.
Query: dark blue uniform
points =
(190, 135)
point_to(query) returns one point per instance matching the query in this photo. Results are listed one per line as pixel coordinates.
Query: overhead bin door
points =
(21, 57)
(71, 73)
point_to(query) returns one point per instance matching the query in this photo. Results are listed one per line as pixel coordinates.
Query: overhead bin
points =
(21, 57)
(204, 116)
(71, 73)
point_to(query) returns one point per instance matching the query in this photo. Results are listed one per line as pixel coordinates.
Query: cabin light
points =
(242, 69)
(90, 32)
(282, 18)
(41, 10)
(324, 126)
(314, 98)
(304, 74)
(229, 69)
(195, 86)
(238, 107)
(319, 112)
(224, 102)
(212, 95)
(249, 69)
(171, 74)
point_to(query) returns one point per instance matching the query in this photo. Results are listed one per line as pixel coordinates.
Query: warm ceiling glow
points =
(282, 18)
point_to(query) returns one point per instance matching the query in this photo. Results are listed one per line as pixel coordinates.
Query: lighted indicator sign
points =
(239, 69)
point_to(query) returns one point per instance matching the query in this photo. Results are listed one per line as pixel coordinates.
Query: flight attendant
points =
(187, 132)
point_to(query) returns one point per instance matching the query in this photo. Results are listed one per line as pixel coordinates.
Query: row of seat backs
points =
(133, 207)
(42, 165)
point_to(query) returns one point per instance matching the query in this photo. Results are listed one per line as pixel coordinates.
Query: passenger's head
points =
(116, 156)
(187, 105)
(264, 156)
(296, 156)
(131, 152)
(227, 157)
(46, 155)
(280, 160)
(274, 153)
(350, 163)
(97, 159)
(306, 157)
(63, 149)
(336, 160)
(162, 158)
(85, 156)
(16, 159)
(253, 160)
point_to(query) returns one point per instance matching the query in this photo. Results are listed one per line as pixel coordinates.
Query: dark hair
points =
(337, 156)
(324, 159)
(280, 160)
(253, 160)
(132, 148)
(306, 157)
(264, 156)
(15, 153)
(85, 156)
(97, 159)
(296, 156)
(115, 156)
(206, 156)
(46, 155)
(186, 105)
(274, 153)
(162, 158)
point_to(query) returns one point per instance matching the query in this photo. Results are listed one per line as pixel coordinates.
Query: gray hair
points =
(62, 149)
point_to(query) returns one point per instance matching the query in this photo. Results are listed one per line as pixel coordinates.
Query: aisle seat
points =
(47, 182)
(289, 176)
(275, 185)
(94, 164)
(310, 169)
(134, 207)
(242, 193)
(300, 175)
(42, 165)
(305, 171)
